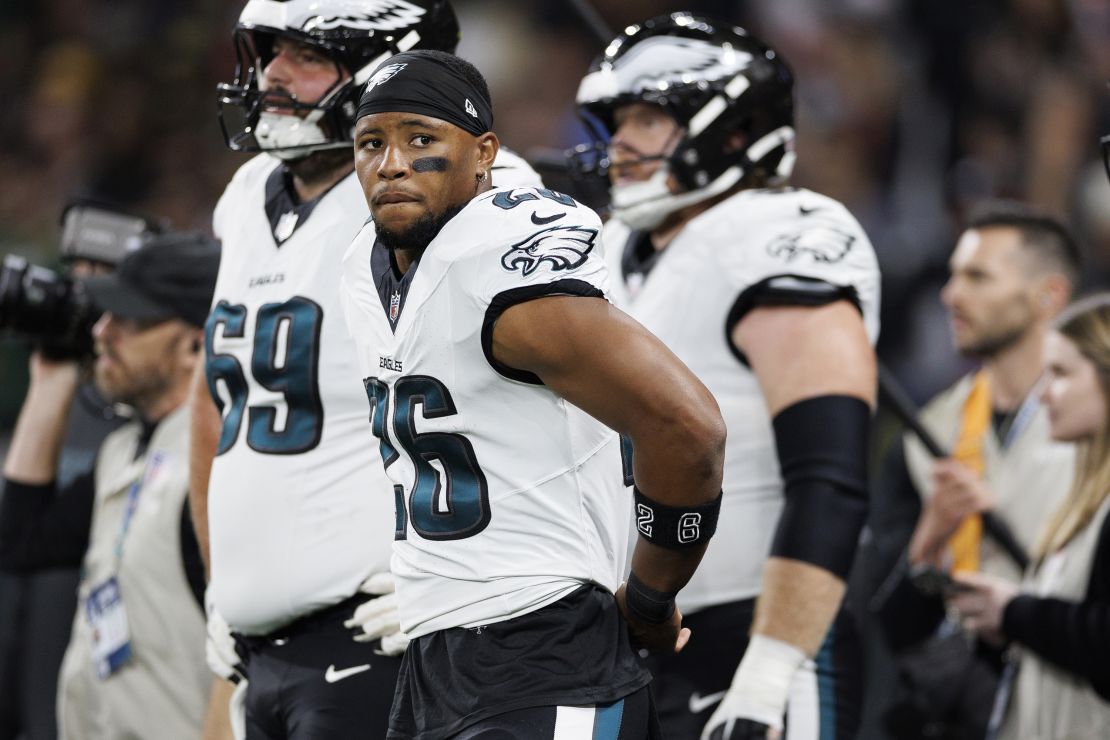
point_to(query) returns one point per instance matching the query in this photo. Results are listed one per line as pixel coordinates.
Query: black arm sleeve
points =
(1072, 635)
(41, 527)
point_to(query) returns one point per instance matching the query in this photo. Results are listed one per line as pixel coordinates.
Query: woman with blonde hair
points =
(1060, 615)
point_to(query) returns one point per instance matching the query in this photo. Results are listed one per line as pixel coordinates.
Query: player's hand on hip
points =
(665, 637)
(379, 618)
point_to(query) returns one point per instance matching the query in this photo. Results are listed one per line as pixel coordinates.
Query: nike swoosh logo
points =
(806, 211)
(331, 675)
(539, 220)
(699, 703)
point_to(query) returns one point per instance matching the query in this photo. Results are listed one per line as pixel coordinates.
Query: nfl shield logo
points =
(394, 306)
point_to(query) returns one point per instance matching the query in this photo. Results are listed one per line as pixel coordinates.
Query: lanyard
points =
(153, 463)
(1022, 417)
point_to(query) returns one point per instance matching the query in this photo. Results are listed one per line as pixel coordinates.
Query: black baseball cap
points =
(171, 276)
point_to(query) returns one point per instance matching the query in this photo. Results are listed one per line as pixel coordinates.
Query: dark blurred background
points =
(909, 111)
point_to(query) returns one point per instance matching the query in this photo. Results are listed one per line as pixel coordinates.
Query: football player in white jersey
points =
(770, 294)
(294, 506)
(494, 364)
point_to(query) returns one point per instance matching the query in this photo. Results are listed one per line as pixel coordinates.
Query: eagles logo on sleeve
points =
(561, 247)
(821, 244)
(376, 15)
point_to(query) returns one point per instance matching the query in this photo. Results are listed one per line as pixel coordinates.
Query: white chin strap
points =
(291, 137)
(644, 205)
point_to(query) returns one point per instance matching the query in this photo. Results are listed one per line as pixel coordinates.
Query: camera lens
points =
(50, 310)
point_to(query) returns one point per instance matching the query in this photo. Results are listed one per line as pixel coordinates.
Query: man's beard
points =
(136, 389)
(990, 345)
(420, 234)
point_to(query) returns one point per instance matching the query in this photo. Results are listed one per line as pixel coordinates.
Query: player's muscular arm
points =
(203, 441)
(602, 361)
(817, 373)
(798, 354)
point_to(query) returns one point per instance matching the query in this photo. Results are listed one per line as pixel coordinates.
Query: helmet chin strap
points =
(644, 205)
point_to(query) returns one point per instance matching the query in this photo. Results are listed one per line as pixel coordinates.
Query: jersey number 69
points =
(284, 358)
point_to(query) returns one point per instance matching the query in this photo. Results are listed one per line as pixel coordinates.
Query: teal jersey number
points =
(293, 373)
(448, 505)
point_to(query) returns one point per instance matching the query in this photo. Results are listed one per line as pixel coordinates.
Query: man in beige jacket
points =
(135, 666)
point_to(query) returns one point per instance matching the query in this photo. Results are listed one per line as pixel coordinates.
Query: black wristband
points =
(675, 527)
(645, 604)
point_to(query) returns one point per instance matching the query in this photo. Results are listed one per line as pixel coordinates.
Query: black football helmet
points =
(357, 35)
(716, 80)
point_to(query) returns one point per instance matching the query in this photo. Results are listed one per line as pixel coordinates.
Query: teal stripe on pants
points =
(826, 686)
(607, 720)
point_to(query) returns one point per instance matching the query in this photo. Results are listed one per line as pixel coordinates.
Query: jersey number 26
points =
(449, 498)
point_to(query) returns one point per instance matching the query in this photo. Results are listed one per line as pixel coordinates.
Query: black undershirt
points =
(393, 287)
(640, 256)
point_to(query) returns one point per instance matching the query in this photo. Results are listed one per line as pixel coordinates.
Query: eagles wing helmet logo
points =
(673, 60)
(375, 15)
(383, 75)
(822, 244)
(562, 247)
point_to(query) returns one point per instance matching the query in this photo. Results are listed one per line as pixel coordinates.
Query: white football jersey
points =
(299, 506)
(685, 297)
(508, 497)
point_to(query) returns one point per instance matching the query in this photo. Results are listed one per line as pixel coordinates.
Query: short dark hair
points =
(462, 67)
(1041, 233)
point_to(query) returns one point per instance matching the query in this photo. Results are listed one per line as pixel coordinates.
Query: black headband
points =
(412, 82)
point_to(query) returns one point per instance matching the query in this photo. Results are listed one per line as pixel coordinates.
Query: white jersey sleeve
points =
(798, 247)
(546, 244)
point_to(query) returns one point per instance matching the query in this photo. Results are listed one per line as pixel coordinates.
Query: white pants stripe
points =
(803, 709)
(574, 723)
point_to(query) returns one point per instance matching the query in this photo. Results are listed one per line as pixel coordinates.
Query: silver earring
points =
(481, 177)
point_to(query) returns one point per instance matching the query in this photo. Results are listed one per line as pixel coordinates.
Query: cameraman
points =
(135, 663)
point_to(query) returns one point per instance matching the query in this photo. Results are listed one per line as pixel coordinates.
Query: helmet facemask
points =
(356, 35)
(276, 121)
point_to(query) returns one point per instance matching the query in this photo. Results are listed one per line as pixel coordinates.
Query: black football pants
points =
(311, 680)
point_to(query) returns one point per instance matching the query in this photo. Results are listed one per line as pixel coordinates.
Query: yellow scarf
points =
(974, 423)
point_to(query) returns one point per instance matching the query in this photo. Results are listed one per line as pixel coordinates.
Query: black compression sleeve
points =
(44, 528)
(822, 449)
